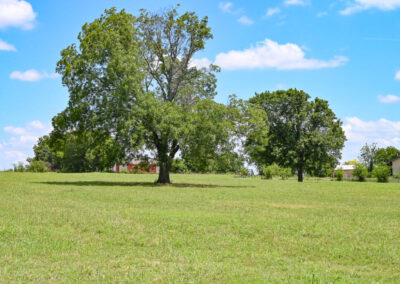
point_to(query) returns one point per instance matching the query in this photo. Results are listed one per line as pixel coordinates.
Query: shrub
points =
(123, 171)
(270, 171)
(381, 173)
(19, 167)
(397, 176)
(243, 172)
(178, 166)
(339, 174)
(285, 173)
(361, 172)
(37, 167)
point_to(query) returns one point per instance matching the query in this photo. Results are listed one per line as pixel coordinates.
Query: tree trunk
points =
(163, 175)
(300, 174)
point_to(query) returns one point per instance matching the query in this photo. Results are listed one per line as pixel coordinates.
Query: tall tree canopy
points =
(303, 135)
(386, 155)
(133, 78)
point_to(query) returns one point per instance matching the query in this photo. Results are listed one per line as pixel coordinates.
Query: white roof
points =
(346, 167)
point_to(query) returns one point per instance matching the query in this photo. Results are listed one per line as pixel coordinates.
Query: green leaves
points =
(303, 135)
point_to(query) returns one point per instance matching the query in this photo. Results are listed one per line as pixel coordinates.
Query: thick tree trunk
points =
(300, 174)
(163, 175)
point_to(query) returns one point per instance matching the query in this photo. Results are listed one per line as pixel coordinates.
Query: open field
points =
(205, 228)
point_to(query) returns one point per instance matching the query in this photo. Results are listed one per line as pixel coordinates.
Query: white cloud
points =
(244, 20)
(358, 132)
(389, 99)
(15, 13)
(6, 46)
(360, 5)
(397, 75)
(270, 54)
(295, 2)
(227, 7)
(200, 62)
(321, 14)
(19, 145)
(272, 11)
(32, 75)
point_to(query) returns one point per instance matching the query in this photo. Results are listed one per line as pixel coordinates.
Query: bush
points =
(285, 173)
(37, 167)
(243, 172)
(339, 174)
(397, 176)
(381, 173)
(269, 172)
(19, 167)
(361, 172)
(178, 166)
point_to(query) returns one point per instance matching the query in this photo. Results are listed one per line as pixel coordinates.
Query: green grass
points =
(206, 228)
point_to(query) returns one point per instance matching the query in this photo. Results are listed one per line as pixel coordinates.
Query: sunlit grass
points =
(204, 228)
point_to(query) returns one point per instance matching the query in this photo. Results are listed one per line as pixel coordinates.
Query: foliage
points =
(397, 176)
(353, 162)
(270, 171)
(339, 174)
(243, 172)
(274, 170)
(303, 135)
(132, 78)
(361, 172)
(285, 173)
(368, 155)
(19, 167)
(386, 155)
(381, 172)
(37, 166)
(178, 166)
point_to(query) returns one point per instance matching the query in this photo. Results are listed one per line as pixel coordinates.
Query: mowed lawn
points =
(205, 228)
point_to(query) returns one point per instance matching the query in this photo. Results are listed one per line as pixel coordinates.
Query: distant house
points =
(136, 166)
(347, 171)
(396, 166)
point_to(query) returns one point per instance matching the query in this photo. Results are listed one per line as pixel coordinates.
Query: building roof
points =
(346, 167)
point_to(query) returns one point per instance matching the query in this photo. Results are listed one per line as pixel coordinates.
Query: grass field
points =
(205, 228)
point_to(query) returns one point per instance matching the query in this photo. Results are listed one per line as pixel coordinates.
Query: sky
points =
(344, 51)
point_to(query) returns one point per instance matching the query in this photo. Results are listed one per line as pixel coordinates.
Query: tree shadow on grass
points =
(132, 184)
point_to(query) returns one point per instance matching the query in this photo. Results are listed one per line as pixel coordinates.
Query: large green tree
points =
(386, 155)
(134, 78)
(304, 135)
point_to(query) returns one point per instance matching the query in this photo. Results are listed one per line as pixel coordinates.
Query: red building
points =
(137, 167)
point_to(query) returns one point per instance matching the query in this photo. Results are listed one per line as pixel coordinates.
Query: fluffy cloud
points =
(16, 13)
(358, 132)
(272, 11)
(227, 7)
(360, 5)
(32, 75)
(200, 62)
(244, 20)
(295, 2)
(389, 99)
(270, 54)
(6, 46)
(19, 145)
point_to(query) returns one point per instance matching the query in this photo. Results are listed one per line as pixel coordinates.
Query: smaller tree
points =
(339, 174)
(381, 173)
(368, 155)
(361, 172)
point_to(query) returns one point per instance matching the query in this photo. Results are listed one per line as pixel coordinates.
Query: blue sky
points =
(344, 51)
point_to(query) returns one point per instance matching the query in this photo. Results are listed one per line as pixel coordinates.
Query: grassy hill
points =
(204, 228)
